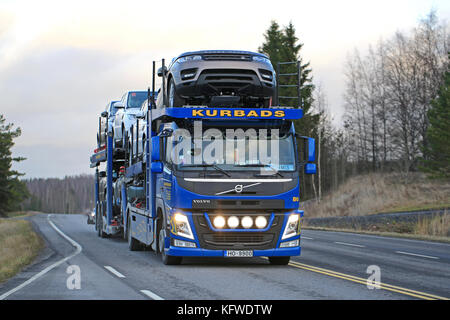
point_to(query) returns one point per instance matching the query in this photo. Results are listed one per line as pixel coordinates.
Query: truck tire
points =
(167, 260)
(279, 261)
(174, 99)
(133, 244)
(98, 217)
(100, 231)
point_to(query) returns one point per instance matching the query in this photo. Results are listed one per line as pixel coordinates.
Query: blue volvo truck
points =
(179, 199)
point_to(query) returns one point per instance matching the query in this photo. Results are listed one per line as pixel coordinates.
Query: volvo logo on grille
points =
(238, 188)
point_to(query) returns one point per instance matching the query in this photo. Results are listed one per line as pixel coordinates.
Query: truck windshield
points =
(236, 155)
(135, 99)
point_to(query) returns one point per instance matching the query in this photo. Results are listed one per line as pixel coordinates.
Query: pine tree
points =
(12, 190)
(272, 47)
(284, 46)
(438, 133)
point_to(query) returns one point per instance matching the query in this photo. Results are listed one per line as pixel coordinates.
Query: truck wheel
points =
(102, 234)
(174, 99)
(133, 244)
(100, 231)
(279, 261)
(167, 260)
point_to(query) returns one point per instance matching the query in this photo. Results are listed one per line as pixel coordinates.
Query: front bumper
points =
(199, 252)
(210, 78)
(214, 82)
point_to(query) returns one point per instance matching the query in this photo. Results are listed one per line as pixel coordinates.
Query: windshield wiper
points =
(206, 165)
(259, 165)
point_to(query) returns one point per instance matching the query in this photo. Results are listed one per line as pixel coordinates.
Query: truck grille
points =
(229, 240)
(221, 240)
(227, 57)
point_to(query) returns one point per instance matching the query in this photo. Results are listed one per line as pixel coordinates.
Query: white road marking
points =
(417, 255)
(303, 237)
(114, 271)
(350, 244)
(51, 267)
(152, 295)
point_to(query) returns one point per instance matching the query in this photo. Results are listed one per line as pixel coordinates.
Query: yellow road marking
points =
(384, 286)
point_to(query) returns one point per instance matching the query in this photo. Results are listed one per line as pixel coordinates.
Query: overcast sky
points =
(62, 61)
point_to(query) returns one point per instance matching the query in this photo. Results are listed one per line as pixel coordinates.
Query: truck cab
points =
(206, 180)
(218, 195)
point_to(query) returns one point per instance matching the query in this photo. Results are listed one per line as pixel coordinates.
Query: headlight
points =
(261, 222)
(189, 58)
(292, 226)
(233, 222)
(181, 226)
(261, 59)
(219, 222)
(247, 222)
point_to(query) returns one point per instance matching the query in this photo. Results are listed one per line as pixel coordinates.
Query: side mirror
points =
(307, 148)
(310, 168)
(311, 146)
(104, 114)
(155, 149)
(119, 105)
(161, 70)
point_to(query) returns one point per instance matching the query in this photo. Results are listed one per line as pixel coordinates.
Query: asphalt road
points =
(333, 265)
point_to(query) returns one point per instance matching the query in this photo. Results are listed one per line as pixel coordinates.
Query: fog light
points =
(289, 244)
(188, 74)
(186, 244)
(247, 222)
(233, 222)
(261, 222)
(219, 222)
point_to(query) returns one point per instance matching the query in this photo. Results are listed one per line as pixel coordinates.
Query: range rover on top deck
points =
(219, 78)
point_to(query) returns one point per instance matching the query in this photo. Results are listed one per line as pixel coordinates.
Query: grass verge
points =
(435, 228)
(19, 245)
(385, 234)
(377, 192)
(20, 214)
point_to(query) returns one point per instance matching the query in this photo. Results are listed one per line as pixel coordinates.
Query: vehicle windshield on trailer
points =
(135, 99)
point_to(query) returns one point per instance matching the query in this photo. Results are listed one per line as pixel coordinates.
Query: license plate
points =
(239, 253)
